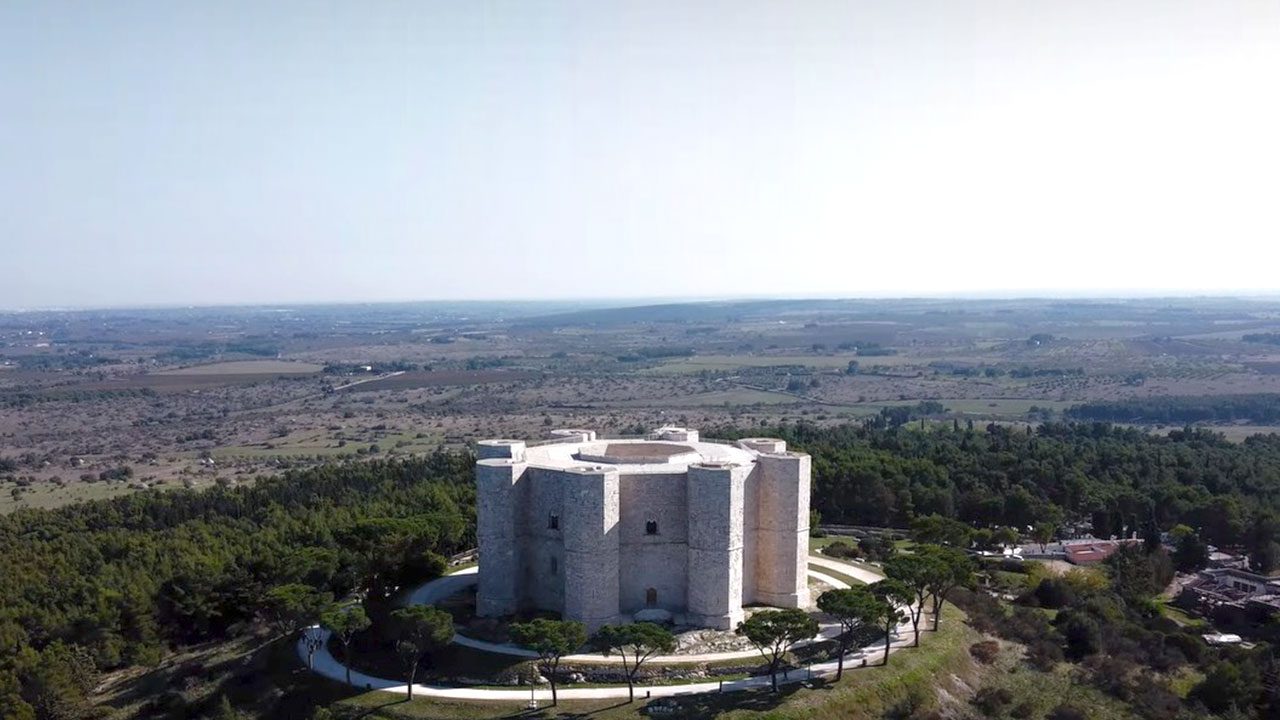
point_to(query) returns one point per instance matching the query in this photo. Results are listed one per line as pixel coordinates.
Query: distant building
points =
(1092, 552)
(1232, 596)
(1222, 638)
(1083, 551)
(670, 527)
(1219, 559)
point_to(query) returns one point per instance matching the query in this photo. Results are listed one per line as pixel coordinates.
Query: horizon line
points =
(644, 301)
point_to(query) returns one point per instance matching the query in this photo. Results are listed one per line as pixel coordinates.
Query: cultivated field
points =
(102, 403)
(247, 367)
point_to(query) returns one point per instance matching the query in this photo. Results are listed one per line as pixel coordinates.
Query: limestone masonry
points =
(606, 531)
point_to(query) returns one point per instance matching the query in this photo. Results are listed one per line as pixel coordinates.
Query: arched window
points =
(555, 567)
(651, 527)
(553, 522)
(650, 597)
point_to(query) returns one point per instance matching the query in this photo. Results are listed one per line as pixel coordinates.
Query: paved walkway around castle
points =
(433, 591)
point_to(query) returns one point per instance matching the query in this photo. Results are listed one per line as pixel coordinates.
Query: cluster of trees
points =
(875, 547)
(865, 348)
(946, 531)
(73, 360)
(918, 581)
(895, 416)
(657, 352)
(1263, 409)
(1112, 630)
(1266, 338)
(1024, 371)
(259, 346)
(26, 398)
(922, 579)
(1119, 480)
(1030, 372)
(634, 643)
(105, 584)
(333, 368)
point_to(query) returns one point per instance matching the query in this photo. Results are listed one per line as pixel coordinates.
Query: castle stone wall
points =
(510, 449)
(716, 507)
(600, 530)
(782, 530)
(590, 531)
(543, 560)
(657, 561)
(498, 499)
(750, 534)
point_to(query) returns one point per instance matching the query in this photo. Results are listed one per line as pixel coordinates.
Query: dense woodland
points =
(1262, 409)
(1109, 628)
(100, 585)
(1115, 481)
(107, 584)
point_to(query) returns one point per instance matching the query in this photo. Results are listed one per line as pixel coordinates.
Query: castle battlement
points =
(605, 531)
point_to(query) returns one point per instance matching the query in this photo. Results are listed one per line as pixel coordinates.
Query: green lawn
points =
(816, 545)
(1180, 616)
(835, 574)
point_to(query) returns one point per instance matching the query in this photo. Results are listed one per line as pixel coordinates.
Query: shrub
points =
(1083, 634)
(1067, 712)
(1155, 701)
(975, 603)
(1026, 626)
(841, 549)
(1054, 593)
(1111, 676)
(876, 548)
(1044, 654)
(913, 705)
(985, 652)
(1190, 646)
(1085, 581)
(992, 701)
(1013, 566)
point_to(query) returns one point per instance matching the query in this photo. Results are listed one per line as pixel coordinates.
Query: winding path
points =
(324, 663)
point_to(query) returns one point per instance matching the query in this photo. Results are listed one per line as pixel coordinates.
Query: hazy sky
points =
(237, 152)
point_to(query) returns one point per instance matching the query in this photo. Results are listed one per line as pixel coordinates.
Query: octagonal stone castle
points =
(669, 527)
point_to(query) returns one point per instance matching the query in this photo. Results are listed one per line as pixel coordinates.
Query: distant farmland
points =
(248, 367)
(438, 378)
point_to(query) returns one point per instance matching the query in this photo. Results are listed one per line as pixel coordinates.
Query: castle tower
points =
(590, 531)
(499, 472)
(716, 493)
(782, 535)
